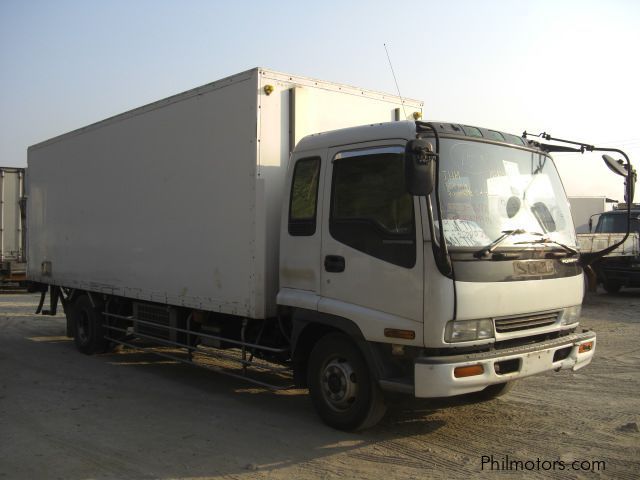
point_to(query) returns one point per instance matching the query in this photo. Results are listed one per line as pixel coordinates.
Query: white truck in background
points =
(585, 211)
(278, 221)
(13, 263)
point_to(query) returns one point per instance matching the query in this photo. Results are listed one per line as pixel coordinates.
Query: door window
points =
(371, 210)
(304, 197)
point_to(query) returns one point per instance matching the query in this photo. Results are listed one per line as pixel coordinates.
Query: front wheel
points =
(341, 386)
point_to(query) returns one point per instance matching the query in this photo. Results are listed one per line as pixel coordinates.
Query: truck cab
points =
(464, 289)
(621, 268)
(615, 221)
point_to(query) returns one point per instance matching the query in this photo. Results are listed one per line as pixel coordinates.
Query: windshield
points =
(617, 223)
(487, 189)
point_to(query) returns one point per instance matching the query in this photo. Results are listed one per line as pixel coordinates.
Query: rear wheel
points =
(87, 323)
(342, 389)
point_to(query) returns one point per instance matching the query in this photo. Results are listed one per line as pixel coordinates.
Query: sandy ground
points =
(128, 415)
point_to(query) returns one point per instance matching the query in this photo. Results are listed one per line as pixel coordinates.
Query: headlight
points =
(570, 315)
(467, 330)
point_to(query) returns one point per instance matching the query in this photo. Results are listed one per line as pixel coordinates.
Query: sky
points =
(569, 68)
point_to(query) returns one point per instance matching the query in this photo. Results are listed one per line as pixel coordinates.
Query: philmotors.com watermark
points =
(506, 463)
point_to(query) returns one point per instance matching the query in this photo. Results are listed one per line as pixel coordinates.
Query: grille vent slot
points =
(515, 324)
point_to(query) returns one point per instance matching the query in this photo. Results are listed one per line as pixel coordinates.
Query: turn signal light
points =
(468, 371)
(585, 347)
(396, 333)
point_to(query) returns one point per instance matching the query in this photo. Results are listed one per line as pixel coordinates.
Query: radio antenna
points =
(395, 80)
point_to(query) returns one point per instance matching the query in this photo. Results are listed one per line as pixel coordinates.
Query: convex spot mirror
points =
(618, 167)
(420, 167)
(630, 189)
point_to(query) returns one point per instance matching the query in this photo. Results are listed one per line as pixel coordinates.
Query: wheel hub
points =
(339, 384)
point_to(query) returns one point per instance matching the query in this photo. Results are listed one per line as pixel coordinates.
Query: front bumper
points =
(434, 376)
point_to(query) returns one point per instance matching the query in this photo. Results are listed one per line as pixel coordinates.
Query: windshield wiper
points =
(548, 241)
(484, 252)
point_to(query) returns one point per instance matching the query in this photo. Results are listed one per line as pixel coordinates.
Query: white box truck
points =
(279, 221)
(12, 247)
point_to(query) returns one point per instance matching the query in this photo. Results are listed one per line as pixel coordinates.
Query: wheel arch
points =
(309, 326)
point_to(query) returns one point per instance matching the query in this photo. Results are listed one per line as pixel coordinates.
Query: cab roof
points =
(404, 130)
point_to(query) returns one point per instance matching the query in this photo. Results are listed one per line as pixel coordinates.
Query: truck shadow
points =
(277, 429)
(130, 414)
(410, 412)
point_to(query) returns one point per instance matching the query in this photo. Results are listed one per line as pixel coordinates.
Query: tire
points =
(611, 286)
(493, 391)
(87, 325)
(342, 389)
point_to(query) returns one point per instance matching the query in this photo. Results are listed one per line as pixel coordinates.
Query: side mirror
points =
(420, 167)
(618, 167)
(630, 188)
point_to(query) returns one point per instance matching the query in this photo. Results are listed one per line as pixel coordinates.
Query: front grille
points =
(515, 324)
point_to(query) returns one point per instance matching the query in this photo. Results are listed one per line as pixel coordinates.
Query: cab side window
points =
(371, 210)
(303, 203)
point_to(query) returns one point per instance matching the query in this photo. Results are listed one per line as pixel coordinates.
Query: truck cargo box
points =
(11, 193)
(179, 201)
(595, 242)
(585, 208)
(12, 255)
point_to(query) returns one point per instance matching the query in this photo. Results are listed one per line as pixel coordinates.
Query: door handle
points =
(334, 263)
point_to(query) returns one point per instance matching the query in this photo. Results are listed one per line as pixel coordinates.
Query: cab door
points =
(372, 256)
(300, 237)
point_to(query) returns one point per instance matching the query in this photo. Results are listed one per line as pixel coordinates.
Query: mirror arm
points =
(589, 259)
(630, 178)
(630, 174)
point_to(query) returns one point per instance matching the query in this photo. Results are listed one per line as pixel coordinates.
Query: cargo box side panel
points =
(158, 205)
